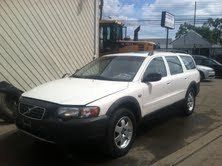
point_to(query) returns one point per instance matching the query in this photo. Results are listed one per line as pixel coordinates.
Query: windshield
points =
(218, 63)
(114, 68)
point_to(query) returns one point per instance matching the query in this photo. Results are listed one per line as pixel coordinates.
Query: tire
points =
(8, 106)
(202, 77)
(116, 144)
(189, 103)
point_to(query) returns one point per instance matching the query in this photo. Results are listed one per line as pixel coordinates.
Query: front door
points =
(155, 93)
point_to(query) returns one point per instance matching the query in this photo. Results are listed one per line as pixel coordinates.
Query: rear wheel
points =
(189, 104)
(121, 133)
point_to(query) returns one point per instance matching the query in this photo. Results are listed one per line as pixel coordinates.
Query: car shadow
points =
(206, 81)
(158, 118)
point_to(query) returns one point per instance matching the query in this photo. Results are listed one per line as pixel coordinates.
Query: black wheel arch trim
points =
(126, 101)
(196, 86)
(201, 72)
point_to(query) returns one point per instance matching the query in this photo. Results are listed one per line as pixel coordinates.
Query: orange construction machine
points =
(113, 39)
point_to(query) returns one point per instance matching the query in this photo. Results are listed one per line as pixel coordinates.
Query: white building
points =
(43, 39)
(193, 43)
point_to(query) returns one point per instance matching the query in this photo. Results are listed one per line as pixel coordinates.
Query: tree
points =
(183, 29)
(211, 30)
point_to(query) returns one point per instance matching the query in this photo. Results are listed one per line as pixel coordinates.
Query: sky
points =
(147, 13)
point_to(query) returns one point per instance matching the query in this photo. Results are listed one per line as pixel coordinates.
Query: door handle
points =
(185, 78)
(169, 82)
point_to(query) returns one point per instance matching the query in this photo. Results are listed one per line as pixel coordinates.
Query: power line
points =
(154, 19)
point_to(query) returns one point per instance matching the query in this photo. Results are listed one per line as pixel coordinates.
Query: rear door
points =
(190, 72)
(177, 79)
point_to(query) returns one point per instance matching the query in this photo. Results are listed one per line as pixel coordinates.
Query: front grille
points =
(31, 111)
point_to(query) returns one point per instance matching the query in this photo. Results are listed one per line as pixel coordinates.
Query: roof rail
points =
(172, 50)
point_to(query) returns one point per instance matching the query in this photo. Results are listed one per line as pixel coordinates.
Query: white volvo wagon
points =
(107, 98)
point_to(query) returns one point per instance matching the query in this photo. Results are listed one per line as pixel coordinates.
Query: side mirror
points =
(152, 77)
(66, 75)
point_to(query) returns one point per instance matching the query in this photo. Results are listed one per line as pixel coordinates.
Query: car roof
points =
(147, 54)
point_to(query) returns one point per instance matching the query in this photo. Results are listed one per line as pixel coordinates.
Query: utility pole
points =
(195, 14)
(167, 38)
(168, 22)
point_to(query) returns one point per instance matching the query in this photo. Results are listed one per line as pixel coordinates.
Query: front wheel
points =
(190, 101)
(121, 133)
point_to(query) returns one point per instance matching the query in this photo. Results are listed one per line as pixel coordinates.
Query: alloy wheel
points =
(190, 102)
(123, 132)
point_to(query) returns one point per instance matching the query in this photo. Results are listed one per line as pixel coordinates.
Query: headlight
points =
(67, 113)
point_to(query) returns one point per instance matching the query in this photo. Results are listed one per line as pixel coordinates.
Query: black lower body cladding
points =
(52, 129)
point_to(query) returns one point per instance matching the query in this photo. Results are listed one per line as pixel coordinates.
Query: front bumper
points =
(210, 75)
(55, 130)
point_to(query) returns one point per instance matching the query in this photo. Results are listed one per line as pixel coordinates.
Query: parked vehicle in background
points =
(9, 96)
(218, 58)
(204, 61)
(206, 73)
(108, 97)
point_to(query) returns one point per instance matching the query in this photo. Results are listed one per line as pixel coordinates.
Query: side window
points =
(206, 62)
(156, 66)
(213, 62)
(198, 61)
(188, 62)
(174, 65)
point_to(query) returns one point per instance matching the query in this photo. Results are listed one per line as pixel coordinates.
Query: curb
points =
(185, 152)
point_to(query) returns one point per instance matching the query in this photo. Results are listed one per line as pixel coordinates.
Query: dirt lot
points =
(157, 137)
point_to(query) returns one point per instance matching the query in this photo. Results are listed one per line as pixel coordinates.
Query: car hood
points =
(75, 91)
(199, 67)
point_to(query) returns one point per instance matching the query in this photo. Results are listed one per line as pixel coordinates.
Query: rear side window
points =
(156, 66)
(174, 65)
(208, 62)
(198, 61)
(188, 62)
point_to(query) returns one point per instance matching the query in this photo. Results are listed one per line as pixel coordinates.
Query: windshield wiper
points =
(97, 77)
(76, 76)
(92, 77)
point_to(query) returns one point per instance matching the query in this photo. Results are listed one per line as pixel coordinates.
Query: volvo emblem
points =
(28, 111)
